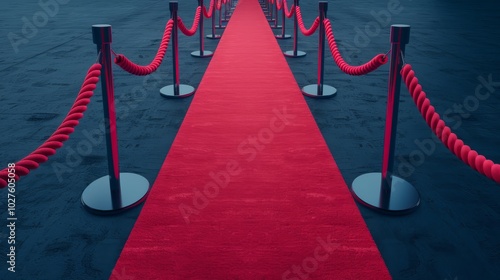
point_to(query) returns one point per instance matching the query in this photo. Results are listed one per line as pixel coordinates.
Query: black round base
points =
(292, 54)
(184, 91)
(97, 197)
(403, 198)
(312, 91)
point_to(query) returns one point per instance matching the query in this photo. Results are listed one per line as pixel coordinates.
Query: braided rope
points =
(364, 69)
(278, 5)
(210, 12)
(443, 132)
(56, 140)
(291, 12)
(194, 27)
(140, 70)
(288, 13)
(303, 29)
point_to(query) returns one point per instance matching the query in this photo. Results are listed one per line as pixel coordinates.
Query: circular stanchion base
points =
(184, 91)
(276, 27)
(97, 197)
(312, 91)
(205, 54)
(403, 199)
(291, 54)
(213, 37)
(286, 36)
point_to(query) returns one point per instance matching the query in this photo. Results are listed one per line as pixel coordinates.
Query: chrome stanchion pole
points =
(295, 52)
(117, 191)
(202, 52)
(320, 89)
(283, 17)
(176, 90)
(384, 191)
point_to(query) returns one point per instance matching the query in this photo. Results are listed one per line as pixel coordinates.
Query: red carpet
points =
(249, 189)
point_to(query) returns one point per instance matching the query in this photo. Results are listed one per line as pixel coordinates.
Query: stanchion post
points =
(283, 35)
(202, 52)
(384, 191)
(295, 52)
(220, 26)
(226, 8)
(213, 35)
(103, 39)
(117, 191)
(320, 89)
(270, 9)
(176, 90)
(275, 19)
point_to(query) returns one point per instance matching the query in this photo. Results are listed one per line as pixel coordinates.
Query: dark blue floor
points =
(453, 49)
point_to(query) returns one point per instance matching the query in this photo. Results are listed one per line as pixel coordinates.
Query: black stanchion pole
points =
(320, 89)
(283, 35)
(226, 8)
(175, 90)
(202, 52)
(117, 191)
(213, 35)
(267, 11)
(295, 52)
(384, 191)
(275, 19)
(220, 26)
(270, 9)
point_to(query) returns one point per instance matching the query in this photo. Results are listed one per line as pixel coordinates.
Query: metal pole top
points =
(101, 34)
(400, 33)
(174, 6)
(323, 6)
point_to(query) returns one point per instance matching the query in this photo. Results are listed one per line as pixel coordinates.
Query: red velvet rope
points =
(303, 29)
(194, 27)
(219, 4)
(364, 69)
(291, 12)
(210, 11)
(288, 13)
(55, 141)
(278, 5)
(444, 133)
(140, 70)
